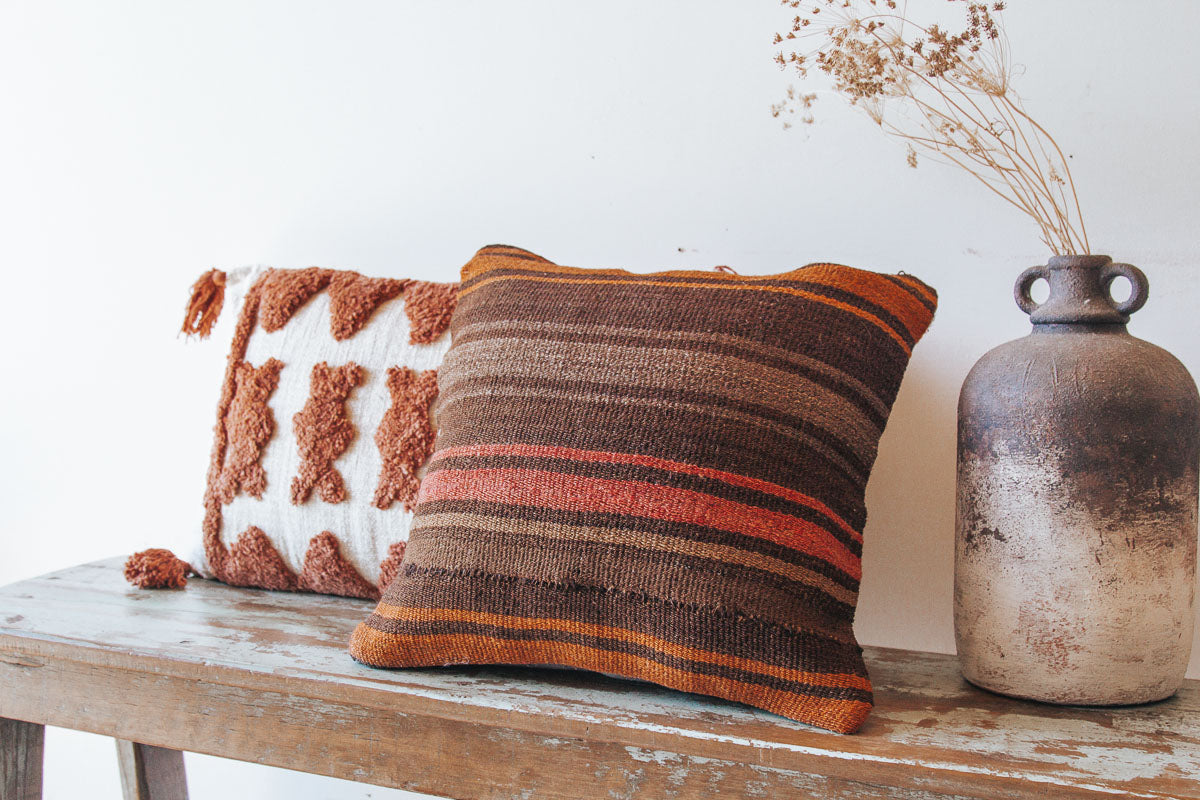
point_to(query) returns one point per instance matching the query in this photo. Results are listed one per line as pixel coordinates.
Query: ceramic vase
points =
(1075, 550)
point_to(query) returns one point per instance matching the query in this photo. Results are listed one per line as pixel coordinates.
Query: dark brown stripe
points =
(690, 280)
(861, 349)
(684, 624)
(534, 516)
(666, 576)
(857, 395)
(921, 298)
(727, 382)
(755, 421)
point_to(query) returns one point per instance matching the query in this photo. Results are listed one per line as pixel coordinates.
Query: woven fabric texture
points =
(658, 476)
(323, 428)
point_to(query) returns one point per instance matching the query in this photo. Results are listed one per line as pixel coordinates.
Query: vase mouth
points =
(1076, 261)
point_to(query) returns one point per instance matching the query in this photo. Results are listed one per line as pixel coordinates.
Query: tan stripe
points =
(639, 539)
(842, 680)
(447, 400)
(669, 369)
(667, 337)
(829, 301)
(382, 649)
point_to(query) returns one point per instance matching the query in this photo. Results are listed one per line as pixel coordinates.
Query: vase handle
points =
(1023, 286)
(1137, 280)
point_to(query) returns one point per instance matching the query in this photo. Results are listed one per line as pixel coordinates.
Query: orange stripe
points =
(829, 301)
(543, 489)
(390, 650)
(925, 291)
(874, 289)
(486, 261)
(594, 456)
(831, 679)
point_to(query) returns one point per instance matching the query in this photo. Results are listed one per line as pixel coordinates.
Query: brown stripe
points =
(861, 351)
(739, 346)
(726, 378)
(924, 295)
(671, 528)
(558, 394)
(845, 303)
(717, 576)
(902, 330)
(677, 577)
(719, 554)
(684, 622)
(868, 294)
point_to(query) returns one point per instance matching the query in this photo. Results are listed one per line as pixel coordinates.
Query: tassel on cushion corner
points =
(157, 568)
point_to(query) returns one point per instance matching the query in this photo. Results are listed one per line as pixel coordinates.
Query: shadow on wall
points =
(908, 551)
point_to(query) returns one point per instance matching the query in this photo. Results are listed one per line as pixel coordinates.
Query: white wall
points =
(143, 142)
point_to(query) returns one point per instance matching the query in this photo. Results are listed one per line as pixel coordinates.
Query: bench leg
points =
(21, 745)
(151, 773)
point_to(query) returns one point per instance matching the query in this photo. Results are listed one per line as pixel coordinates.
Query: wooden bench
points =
(264, 677)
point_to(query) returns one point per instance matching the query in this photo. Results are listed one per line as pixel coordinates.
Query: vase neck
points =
(1079, 292)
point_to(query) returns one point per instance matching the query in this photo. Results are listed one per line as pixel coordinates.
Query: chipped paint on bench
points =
(277, 661)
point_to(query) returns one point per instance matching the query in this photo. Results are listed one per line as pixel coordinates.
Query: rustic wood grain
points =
(151, 773)
(21, 745)
(265, 677)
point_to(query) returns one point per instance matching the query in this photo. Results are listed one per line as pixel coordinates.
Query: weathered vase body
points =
(1075, 553)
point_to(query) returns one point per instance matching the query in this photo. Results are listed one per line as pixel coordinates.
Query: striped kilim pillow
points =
(656, 476)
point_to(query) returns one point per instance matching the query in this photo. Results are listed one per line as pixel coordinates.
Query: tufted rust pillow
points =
(323, 427)
(658, 476)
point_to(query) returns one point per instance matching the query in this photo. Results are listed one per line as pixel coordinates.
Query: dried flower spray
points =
(944, 92)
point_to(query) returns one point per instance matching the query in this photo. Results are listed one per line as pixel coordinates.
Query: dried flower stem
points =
(946, 94)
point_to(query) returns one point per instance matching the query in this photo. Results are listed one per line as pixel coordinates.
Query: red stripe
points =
(541, 489)
(547, 451)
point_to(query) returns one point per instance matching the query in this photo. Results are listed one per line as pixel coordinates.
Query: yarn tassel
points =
(204, 305)
(157, 569)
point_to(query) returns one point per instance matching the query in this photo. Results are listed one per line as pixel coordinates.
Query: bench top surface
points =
(927, 722)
